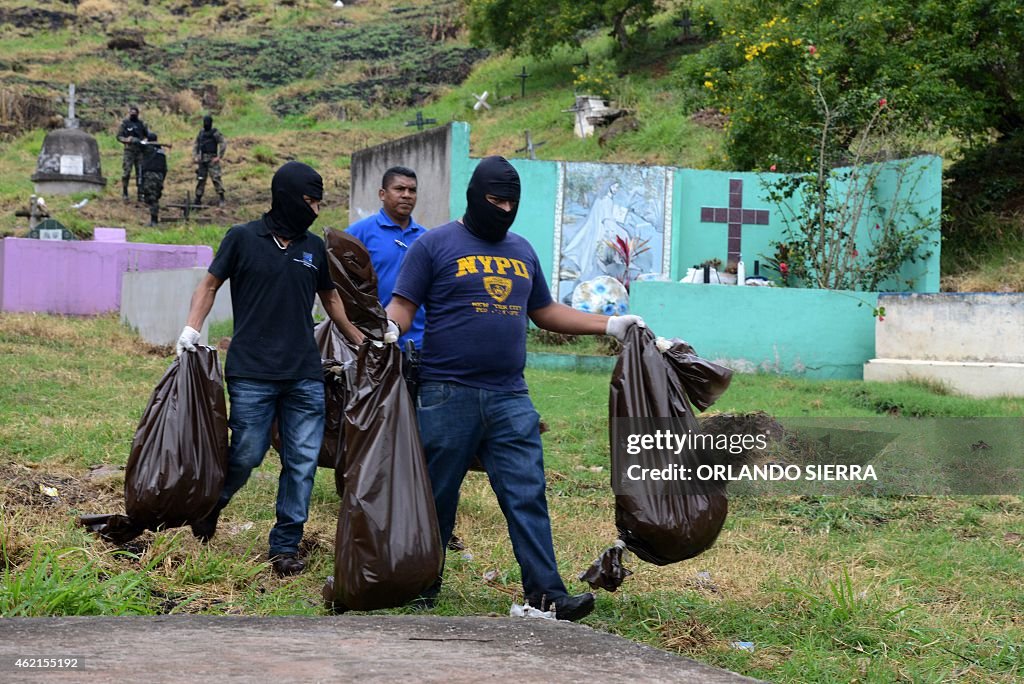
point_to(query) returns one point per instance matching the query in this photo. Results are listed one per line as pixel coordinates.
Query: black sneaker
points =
(571, 608)
(285, 564)
(204, 529)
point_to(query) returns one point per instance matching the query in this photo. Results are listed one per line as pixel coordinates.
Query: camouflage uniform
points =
(154, 170)
(132, 158)
(210, 144)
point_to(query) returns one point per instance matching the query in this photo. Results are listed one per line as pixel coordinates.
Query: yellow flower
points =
(709, 85)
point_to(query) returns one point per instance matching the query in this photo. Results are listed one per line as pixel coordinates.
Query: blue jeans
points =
(458, 422)
(299, 408)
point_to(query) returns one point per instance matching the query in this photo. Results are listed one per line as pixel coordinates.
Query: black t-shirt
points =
(272, 292)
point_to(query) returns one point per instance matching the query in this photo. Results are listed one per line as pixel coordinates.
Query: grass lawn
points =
(838, 589)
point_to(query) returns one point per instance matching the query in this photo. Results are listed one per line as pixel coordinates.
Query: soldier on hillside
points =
(207, 152)
(154, 170)
(131, 133)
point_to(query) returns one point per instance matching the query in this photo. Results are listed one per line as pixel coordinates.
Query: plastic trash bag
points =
(179, 454)
(648, 383)
(607, 571)
(387, 546)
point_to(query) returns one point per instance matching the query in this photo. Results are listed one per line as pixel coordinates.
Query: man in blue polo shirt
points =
(388, 234)
(276, 267)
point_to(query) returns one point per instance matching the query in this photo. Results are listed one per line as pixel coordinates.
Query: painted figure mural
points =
(606, 206)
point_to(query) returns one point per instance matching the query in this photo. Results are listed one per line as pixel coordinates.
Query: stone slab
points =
(336, 649)
(975, 326)
(156, 303)
(974, 379)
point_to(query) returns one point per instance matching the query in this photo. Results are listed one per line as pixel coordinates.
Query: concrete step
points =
(981, 379)
(403, 648)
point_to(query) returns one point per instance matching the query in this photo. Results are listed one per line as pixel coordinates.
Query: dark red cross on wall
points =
(736, 217)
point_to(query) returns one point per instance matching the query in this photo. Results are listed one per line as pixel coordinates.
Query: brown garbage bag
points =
(387, 546)
(665, 528)
(178, 459)
(356, 281)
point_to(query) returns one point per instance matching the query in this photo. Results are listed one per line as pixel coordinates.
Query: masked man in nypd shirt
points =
(480, 285)
(273, 366)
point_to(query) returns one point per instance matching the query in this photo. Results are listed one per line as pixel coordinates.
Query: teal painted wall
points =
(816, 333)
(462, 168)
(536, 218)
(694, 241)
(923, 183)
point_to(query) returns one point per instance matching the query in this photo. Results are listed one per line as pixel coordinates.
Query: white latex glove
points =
(393, 333)
(618, 325)
(187, 340)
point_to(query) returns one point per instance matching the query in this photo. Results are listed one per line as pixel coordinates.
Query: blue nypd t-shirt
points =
(477, 295)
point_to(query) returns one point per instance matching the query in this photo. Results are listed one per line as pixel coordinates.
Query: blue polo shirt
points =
(388, 244)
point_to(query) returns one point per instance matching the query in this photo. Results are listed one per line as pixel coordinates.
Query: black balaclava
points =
(207, 122)
(151, 136)
(289, 216)
(493, 176)
(133, 114)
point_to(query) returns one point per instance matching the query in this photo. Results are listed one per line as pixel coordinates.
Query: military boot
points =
(220, 199)
(124, 189)
(153, 220)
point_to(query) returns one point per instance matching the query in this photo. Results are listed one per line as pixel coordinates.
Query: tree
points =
(949, 65)
(538, 26)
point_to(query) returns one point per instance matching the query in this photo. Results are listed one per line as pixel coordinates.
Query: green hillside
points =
(307, 80)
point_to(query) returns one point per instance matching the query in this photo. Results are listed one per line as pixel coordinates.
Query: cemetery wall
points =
(80, 277)
(816, 333)
(669, 206)
(966, 326)
(428, 154)
(972, 343)
(156, 303)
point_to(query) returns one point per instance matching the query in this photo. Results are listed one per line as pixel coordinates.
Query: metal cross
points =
(522, 82)
(530, 146)
(736, 217)
(685, 23)
(419, 122)
(481, 102)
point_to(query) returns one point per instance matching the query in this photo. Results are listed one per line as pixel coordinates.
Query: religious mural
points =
(612, 223)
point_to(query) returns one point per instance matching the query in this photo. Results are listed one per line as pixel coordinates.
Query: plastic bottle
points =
(741, 273)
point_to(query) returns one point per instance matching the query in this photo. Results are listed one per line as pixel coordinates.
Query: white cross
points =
(481, 102)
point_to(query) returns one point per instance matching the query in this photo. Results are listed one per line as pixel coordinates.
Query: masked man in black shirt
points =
(275, 266)
(131, 133)
(154, 170)
(207, 152)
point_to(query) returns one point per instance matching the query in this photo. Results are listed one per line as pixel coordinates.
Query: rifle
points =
(146, 142)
